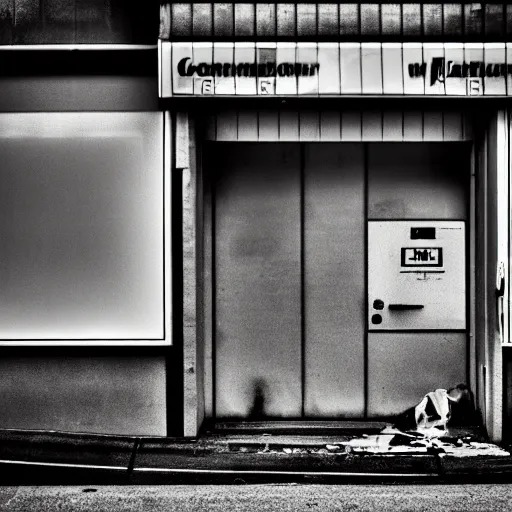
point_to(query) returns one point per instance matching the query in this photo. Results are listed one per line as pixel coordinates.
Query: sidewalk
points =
(31, 457)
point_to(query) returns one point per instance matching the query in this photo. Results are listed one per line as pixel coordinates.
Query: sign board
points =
(416, 275)
(335, 69)
(421, 257)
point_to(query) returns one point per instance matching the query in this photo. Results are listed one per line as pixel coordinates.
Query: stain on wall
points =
(110, 395)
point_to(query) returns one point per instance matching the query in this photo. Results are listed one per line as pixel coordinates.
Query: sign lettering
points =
(440, 70)
(246, 69)
(422, 257)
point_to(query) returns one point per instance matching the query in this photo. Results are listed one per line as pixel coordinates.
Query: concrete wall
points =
(115, 391)
(114, 394)
(78, 21)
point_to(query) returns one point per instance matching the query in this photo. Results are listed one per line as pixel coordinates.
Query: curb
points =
(39, 458)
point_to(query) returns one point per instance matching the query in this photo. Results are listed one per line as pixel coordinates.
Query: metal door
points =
(289, 280)
(291, 336)
(257, 280)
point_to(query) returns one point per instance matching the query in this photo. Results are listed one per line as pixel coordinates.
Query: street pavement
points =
(274, 497)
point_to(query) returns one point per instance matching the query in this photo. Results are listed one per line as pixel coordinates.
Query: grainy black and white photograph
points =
(255, 256)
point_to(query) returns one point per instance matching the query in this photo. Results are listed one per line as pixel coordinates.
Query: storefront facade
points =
(350, 197)
(284, 211)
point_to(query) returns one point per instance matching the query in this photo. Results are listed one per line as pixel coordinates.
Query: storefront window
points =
(82, 246)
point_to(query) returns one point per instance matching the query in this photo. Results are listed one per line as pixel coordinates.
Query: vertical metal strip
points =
(167, 184)
(213, 191)
(174, 363)
(473, 378)
(365, 285)
(302, 275)
(509, 233)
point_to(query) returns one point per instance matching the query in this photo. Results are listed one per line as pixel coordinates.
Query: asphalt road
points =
(277, 497)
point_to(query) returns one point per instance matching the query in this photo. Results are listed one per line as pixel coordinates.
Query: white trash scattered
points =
(392, 440)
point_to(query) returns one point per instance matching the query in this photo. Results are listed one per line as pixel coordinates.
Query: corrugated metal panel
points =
(288, 126)
(226, 126)
(309, 126)
(244, 19)
(330, 126)
(411, 21)
(306, 20)
(351, 129)
(349, 21)
(494, 22)
(328, 20)
(222, 20)
(370, 19)
(333, 126)
(473, 20)
(248, 125)
(202, 20)
(266, 20)
(392, 126)
(181, 20)
(286, 20)
(413, 126)
(372, 126)
(452, 20)
(434, 22)
(391, 20)
(268, 126)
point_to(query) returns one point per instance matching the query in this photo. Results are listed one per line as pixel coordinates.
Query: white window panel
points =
(224, 53)
(350, 68)
(203, 54)
(371, 60)
(286, 85)
(307, 54)
(433, 56)
(455, 86)
(413, 60)
(266, 53)
(329, 68)
(494, 56)
(181, 84)
(474, 52)
(82, 229)
(245, 53)
(392, 69)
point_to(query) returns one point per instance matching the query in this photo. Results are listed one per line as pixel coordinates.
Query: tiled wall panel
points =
(335, 126)
(366, 22)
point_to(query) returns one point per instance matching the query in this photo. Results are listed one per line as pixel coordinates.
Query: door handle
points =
(403, 307)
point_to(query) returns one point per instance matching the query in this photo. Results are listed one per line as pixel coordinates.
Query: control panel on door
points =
(416, 275)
